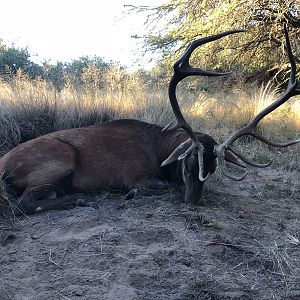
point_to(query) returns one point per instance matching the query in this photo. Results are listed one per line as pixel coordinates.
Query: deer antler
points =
(182, 69)
(250, 129)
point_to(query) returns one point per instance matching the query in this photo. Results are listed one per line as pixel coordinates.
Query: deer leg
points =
(25, 204)
(148, 186)
(64, 202)
(34, 196)
(29, 205)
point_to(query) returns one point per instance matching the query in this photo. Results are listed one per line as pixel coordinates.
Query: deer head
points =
(193, 152)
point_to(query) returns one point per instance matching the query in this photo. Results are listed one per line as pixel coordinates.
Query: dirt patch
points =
(242, 243)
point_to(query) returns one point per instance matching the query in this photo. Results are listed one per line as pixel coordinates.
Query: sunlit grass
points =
(32, 108)
(295, 109)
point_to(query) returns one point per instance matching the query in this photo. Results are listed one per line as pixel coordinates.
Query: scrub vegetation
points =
(242, 242)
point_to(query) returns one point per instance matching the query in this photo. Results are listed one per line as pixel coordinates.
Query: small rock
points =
(78, 292)
(94, 205)
(80, 202)
(131, 194)
(149, 215)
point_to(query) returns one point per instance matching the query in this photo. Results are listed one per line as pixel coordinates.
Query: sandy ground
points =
(242, 243)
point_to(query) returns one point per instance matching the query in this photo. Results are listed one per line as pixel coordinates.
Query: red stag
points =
(129, 153)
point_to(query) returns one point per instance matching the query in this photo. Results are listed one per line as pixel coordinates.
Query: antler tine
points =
(272, 143)
(247, 161)
(223, 168)
(250, 129)
(182, 69)
(292, 85)
(182, 66)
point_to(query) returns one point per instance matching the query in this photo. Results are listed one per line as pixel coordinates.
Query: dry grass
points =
(33, 108)
(251, 234)
(6, 203)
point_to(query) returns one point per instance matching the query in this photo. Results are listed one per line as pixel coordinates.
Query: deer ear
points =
(177, 152)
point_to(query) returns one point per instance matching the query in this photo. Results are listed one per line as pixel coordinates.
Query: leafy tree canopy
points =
(260, 50)
(12, 59)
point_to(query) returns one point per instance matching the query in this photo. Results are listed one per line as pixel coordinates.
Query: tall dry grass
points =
(32, 108)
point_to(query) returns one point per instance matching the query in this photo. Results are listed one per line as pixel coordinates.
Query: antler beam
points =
(183, 69)
(250, 129)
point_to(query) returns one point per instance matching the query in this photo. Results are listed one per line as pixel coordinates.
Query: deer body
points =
(121, 153)
(131, 153)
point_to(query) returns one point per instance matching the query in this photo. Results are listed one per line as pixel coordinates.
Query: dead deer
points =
(129, 153)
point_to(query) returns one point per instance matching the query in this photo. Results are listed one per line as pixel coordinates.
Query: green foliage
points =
(82, 72)
(77, 72)
(258, 51)
(13, 59)
(257, 54)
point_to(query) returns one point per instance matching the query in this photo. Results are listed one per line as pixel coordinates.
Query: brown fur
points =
(122, 153)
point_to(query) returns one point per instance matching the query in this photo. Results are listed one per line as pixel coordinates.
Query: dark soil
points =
(242, 243)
